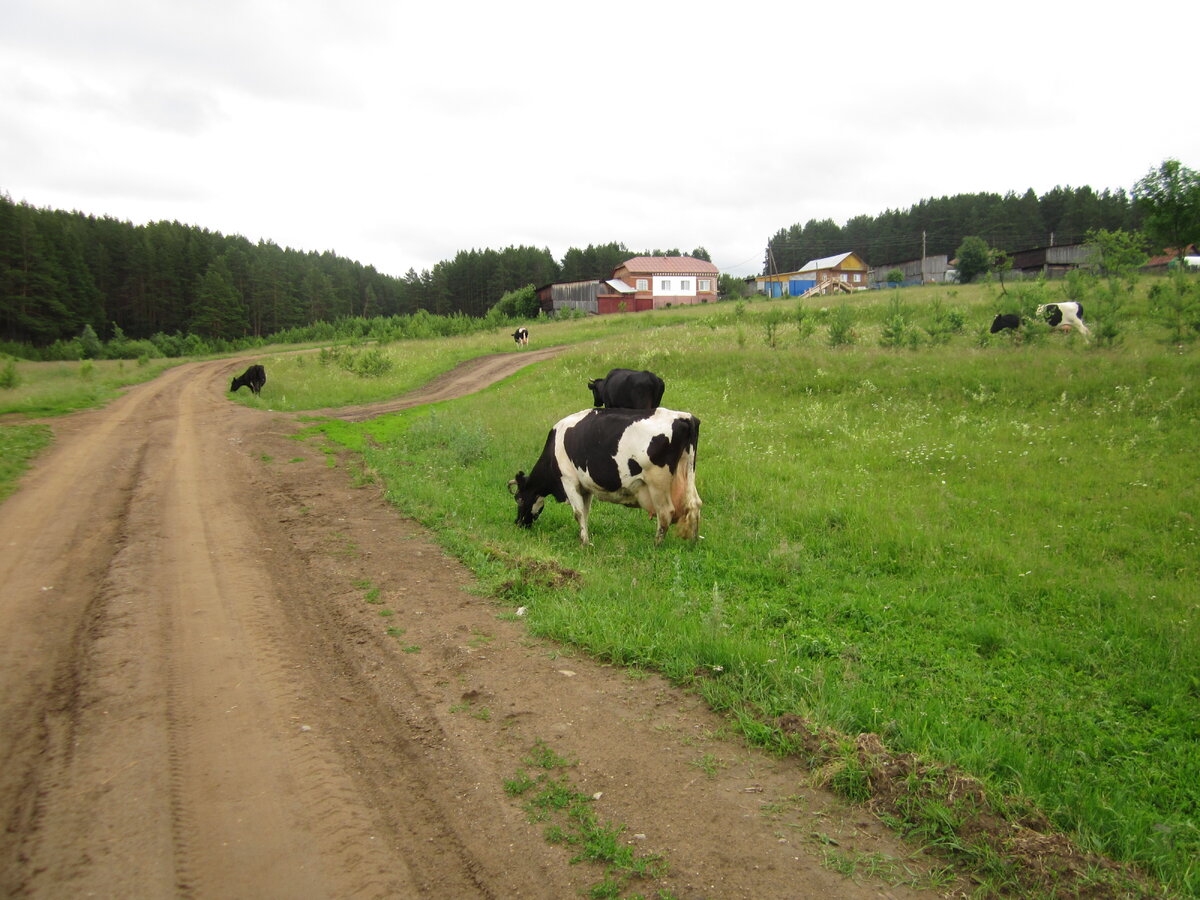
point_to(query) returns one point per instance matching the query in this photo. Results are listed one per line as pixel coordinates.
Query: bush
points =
(519, 304)
(945, 322)
(805, 324)
(1175, 304)
(897, 331)
(8, 375)
(90, 346)
(841, 327)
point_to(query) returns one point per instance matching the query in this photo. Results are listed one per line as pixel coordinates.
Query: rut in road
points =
(162, 744)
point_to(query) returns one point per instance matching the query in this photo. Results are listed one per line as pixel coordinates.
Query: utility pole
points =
(922, 256)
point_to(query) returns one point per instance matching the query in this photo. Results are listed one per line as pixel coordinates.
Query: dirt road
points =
(197, 698)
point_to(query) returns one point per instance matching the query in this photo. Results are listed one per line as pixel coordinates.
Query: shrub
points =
(804, 321)
(841, 327)
(1175, 304)
(897, 331)
(90, 346)
(771, 322)
(8, 375)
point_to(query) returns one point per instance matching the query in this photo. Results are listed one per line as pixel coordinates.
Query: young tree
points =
(974, 258)
(1170, 200)
(1117, 252)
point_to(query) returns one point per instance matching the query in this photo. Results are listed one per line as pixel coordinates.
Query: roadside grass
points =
(982, 550)
(54, 388)
(19, 444)
(570, 820)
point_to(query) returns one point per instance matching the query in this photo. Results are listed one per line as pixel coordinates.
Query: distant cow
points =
(254, 378)
(1065, 315)
(638, 458)
(1006, 321)
(521, 336)
(628, 389)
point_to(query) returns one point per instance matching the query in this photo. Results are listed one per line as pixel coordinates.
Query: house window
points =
(685, 284)
(857, 277)
(842, 276)
(665, 285)
(643, 284)
(704, 284)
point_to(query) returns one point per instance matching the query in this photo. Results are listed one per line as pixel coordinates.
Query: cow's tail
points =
(683, 488)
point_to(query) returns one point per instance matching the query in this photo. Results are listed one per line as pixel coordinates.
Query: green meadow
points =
(981, 548)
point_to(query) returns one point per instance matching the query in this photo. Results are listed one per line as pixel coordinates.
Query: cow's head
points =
(529, 503)
(596, 386)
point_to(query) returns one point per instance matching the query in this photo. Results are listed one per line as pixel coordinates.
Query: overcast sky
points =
(397, 134)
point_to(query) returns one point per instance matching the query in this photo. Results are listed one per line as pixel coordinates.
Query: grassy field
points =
(54, 388)
(984, 550)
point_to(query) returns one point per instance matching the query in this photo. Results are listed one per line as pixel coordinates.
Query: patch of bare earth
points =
(228, 671)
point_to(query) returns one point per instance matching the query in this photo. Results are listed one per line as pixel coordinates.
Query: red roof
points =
(669, 265)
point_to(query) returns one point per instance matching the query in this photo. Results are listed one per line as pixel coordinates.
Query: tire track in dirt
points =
(464, 378)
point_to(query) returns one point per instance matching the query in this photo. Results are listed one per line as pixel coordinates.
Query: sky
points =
(397, 134)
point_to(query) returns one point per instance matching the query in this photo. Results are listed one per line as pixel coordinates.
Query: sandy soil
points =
(197, 700)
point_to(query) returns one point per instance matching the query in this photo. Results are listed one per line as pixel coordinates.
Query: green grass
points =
(984, 550)
(18, 445)
(54, 388)
(570, 820)
(320, 380)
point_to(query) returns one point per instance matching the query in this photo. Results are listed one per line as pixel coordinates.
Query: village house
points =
(846, 271)
(656, 282)
(640, 283)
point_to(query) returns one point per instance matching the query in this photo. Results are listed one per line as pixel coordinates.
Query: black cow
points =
(521, 336)
(633, 457)
(254, 378)
(1065, 316)
(628, 389)
(1006, 321)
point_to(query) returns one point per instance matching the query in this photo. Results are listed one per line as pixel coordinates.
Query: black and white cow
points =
(521, 336)
(1065, 315)
(1005, 321)
(254, 378)
(641, 458)
(628, 389)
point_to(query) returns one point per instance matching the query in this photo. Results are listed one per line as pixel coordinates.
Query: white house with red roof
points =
(656, 282)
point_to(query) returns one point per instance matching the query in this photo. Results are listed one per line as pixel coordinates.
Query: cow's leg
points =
(581, 505)
(658, 503)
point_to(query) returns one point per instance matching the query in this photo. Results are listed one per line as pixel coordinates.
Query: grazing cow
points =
(639, 458)
(628, 389)
(1006, 321)
(1066, 315)
(254, 378)
(521, 336)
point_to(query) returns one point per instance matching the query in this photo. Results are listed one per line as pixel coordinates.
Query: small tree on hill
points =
(1117, 252)
(974, 259)
(1169, 196)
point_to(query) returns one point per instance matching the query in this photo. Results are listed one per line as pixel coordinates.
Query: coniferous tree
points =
(219, 310)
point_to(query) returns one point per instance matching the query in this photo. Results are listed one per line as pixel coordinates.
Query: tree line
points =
(63, 271)
(933, 227)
